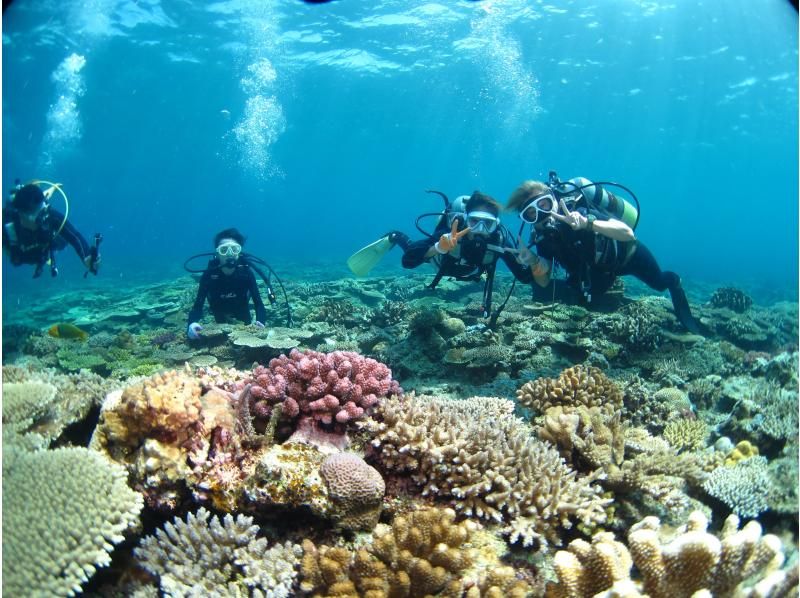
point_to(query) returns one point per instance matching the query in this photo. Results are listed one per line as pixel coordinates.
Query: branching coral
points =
(63, 510)
(744, 487)
(694, 563)
(220, 557)
(483, 458)
(422, 554)
(331, 388)
(686, 434)
(578, 385)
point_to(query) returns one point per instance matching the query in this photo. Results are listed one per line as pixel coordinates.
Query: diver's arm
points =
(613, 229)
(202, 293)
(261, 310)
(418, 253)
(71, 235)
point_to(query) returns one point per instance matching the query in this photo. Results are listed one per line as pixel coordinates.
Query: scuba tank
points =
(452, 210)
(598, 198)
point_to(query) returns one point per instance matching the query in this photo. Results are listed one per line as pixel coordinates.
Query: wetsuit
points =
(471, 257)
(37, 246)
(593, 262)
(228, 294)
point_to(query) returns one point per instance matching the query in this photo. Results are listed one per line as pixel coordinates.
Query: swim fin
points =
(682, 311)
(364, 260)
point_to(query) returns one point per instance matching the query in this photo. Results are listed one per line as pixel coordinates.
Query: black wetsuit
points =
(472, 257)
(593, 261)
(37, 246)
(228, 294)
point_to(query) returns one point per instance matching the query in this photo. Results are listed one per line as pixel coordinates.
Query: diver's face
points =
(482, 221)
(30, 219)
(228, 251)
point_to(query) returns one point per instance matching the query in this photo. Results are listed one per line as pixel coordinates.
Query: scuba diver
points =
(228, 283)
(588, 230)
(466, 243)
(33, 231)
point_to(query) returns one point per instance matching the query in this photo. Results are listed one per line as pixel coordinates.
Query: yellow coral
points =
(578, 385)
(743, 450)
(686, 434)
(693, 563)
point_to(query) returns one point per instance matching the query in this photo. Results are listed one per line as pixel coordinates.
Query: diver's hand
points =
(259, 324)
(449, 241)
(193, 331)
(92, 264)
(575, 220)
(524, 255)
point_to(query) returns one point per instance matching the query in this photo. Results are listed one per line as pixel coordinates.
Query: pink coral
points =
(340, 387)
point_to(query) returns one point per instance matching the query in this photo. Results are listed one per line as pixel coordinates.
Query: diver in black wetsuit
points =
(33, 232)
(466, 244)
(591, 247)
(228, 283)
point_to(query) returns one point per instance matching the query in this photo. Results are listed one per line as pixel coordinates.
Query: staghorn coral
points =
(686, 434)
(744, 487)
(578, 385)
(220, 557)
(355, 489)
(63, 510)
(693, 563)
(496, 470)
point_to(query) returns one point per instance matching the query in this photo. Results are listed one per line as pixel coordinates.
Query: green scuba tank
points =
(600, 199)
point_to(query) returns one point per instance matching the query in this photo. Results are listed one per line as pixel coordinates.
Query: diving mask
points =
(229, 249)
(482, 223)
(545, 203)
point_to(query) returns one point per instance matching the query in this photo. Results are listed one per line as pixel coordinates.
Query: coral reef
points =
(63, 510)
(500, 473)
(199, 557)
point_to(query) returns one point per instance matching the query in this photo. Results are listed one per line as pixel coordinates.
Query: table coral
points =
(63, 510)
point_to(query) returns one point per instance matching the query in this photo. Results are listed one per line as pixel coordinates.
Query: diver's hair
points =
(229, 233)
(481, 199)
(27, 198)
(523, 193)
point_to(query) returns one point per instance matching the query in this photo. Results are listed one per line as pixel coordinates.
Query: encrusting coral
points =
(477, 454)
(224, 557)
(63, 510)
(693, 563)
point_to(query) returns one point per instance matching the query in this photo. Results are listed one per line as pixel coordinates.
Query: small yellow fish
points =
(64, 330)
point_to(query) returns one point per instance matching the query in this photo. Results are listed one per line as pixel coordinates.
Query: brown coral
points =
(578, 385)
(356, 490)
(692, 563)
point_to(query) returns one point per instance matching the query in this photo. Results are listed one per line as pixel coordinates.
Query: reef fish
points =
(65, 330)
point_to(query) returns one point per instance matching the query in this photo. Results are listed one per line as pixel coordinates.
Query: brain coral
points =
(355, 488)
(63, 510)
(578, 385)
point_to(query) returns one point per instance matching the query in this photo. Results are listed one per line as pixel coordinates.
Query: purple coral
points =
(331, 388)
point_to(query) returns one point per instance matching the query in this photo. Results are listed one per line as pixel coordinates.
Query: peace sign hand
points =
(575, 220)
(449, 241)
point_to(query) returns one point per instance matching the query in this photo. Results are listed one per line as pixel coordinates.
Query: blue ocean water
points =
(316, 128)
